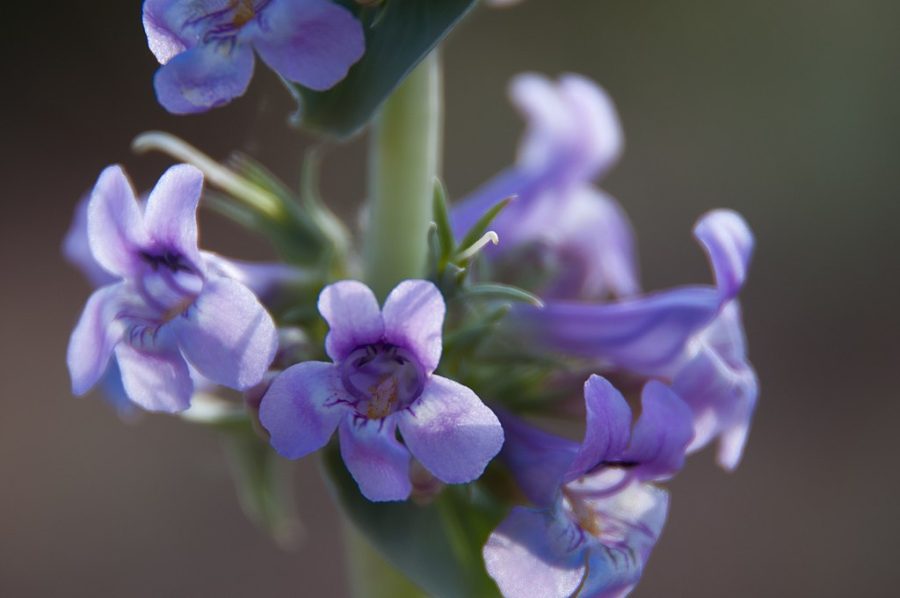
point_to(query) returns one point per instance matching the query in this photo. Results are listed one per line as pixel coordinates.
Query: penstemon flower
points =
(691, 336)
(166, 308)
(382, 381)
(576, 238)
(206, 47)
(596, 517)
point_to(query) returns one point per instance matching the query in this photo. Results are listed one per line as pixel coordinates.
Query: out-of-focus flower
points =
(382, 381)
(581, 246)
(166, 307)
(596, 517)
(691, 334)
(206, 47)
(575, 237)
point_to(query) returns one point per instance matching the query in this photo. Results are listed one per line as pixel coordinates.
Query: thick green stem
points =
(403, 162)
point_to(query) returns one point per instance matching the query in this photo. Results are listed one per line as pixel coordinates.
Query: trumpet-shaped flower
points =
(207, 47)
(691, 335)
(596, 516)
(381, 381)
(166, 308)
(576, 237)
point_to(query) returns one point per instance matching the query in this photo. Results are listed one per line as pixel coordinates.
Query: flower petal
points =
(353, 316)
(537, 459)
(375, 458)
(77, 248)
(227, 334)
(661, 435)
(631, 521)
(721, 388)
(272, 282)
(573, 129)
(451, 431)
(310, 42)
(93, 338)
(594, 238)
(607, 429)
(204, 77)
(170, 217)
(729, 243)
(521, 556)
(115, 223)
(302, 408)
(164, 39)
(156, 379)
(413, 319)
(647, 334)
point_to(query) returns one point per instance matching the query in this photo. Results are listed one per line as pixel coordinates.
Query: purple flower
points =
(691, 335)
(596, 517)
(576, 236)
(166, 308)
(206, 47)
(382, 381)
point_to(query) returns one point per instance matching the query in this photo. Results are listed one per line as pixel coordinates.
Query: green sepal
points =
(444, 233)
(399, 34)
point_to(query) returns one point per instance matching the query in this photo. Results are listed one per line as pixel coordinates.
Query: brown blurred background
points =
(786, 110)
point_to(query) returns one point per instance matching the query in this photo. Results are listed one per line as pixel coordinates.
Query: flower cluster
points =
(455, 377)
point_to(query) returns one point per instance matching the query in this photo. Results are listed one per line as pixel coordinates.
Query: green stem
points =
(403, 164)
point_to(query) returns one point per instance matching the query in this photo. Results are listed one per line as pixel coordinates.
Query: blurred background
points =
(785, 110)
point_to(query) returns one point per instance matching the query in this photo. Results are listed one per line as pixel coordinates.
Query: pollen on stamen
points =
(243, 12)
(384, 398)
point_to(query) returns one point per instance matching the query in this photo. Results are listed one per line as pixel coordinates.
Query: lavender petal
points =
(302, 408)
(451, 431)
(227, 334)
(375, 458)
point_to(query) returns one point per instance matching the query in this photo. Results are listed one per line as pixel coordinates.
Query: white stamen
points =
(216, 174)
(471, 250)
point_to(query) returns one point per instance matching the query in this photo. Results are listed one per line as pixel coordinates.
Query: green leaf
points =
(442, 220)
(503, 292)
(399, 34)
(479, 228)
(438, 546)
(263, 482)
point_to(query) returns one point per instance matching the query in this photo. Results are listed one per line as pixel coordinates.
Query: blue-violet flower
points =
(382, 381)
(166, 307)
(690, 335)
(596, 516)
(576, 238)
(206, 47)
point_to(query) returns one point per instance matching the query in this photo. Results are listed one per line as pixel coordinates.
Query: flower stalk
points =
(403, 163)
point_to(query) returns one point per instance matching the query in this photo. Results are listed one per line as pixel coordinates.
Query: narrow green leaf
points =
(442, 220)
(503, 292)
(399, 34)
(326, 220)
